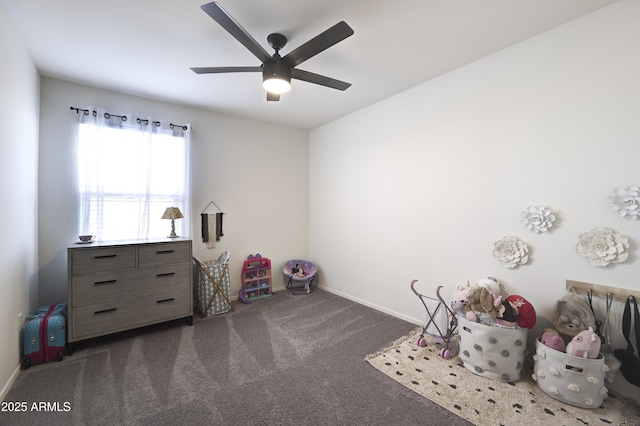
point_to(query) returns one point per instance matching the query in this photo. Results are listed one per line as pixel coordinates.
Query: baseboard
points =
(372, 305)
(7, 386)
(276, 289)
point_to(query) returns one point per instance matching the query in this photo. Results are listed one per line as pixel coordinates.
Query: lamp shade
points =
(172, 213)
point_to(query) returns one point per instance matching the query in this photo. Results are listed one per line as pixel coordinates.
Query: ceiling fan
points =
(278, 71)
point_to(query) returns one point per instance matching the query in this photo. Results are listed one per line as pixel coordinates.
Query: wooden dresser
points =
(116, 286)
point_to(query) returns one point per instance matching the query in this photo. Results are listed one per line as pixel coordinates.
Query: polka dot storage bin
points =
(492, 352)
(570, 379)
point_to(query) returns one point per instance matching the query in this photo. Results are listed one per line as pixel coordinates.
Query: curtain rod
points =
(124, 118)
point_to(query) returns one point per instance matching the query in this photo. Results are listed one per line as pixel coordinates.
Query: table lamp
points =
(172, 213)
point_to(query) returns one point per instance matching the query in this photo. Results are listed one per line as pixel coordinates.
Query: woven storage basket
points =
(492, 352)
(204, 288)
(567, 378)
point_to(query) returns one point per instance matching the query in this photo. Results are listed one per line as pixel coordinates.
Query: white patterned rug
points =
(484, 401)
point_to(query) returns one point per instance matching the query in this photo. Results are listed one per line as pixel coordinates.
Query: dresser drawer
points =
(164, 254)
(115, 286)
(105, 318)
(100, 259)
(118, 286)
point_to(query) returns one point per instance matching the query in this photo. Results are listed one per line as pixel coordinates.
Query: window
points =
(128, 175)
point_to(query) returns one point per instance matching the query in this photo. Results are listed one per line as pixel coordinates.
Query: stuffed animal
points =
(507, 313)
(552, 339)
(298, 271)
(571, 315)
(490, 284)
(480, 302)
(585, 344)
(526, 312)
(460, 299)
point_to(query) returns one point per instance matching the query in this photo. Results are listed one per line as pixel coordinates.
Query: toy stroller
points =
(440, 321)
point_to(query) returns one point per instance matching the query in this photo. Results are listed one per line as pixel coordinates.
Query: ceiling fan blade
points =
(273, 96)
(319, 79)
(218, 70)
(321, 42)
(226, 21)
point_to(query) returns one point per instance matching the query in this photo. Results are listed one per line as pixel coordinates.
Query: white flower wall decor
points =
(511, 252)
(538, 219)
(626, 202)
(602, 246)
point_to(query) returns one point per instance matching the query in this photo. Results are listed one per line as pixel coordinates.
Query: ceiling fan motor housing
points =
(276, 68)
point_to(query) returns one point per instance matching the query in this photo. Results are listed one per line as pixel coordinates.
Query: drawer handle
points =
(166, 300)
(164, 251)
(105, 282)
(106, 311)
(168, 274)
(105, 256)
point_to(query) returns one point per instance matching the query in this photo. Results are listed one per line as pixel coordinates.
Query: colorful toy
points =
(460, 299)
(585, 344)
(507, 313)
(298, 270)
(300, 274)
(552, 339)
(526, 313)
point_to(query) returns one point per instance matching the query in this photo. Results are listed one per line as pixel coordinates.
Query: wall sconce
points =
(172, 213)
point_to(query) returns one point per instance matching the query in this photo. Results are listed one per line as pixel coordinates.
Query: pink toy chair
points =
(300, 271)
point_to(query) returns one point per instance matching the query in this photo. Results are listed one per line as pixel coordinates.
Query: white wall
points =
(19, 86)
(418, 186)
(421, 185)
(256, 173)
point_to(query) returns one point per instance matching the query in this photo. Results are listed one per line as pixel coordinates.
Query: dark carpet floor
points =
(284, 360)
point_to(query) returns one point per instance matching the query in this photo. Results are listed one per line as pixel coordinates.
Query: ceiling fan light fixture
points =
(277, 85)
(277, 71)
(276, 77)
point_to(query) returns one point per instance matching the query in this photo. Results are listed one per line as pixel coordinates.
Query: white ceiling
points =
(145, 47)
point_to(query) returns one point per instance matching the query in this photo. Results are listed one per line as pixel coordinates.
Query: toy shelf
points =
(256, 279)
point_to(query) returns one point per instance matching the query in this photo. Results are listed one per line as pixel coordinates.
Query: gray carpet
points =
(285, 360)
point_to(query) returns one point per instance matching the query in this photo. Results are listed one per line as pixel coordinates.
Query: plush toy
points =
(585, 344)
(552, 339)
(571, 315)
(507, 313)
(460, 299)
(298, 271)
(490, 284)
(526, 312)
(480, 302)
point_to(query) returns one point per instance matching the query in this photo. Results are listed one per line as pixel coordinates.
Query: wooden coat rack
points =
(601, 291)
